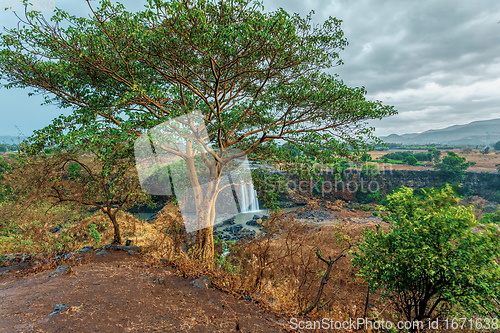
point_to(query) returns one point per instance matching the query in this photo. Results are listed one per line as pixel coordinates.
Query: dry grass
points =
(280, 269)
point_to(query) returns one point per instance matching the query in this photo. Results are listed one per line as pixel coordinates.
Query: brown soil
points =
(118, 293)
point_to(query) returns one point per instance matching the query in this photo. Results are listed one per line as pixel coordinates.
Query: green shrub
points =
(94, 234)
(74, 170)
(436, 257)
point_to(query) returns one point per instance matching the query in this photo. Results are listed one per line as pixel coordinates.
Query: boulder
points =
(86, 249)
(102, 253)
(63, 269)
(202, 282)
(229, 221)
(255, 223)
(58, 308)
(234, 229)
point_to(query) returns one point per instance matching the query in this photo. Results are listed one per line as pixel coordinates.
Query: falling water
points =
(248, 199)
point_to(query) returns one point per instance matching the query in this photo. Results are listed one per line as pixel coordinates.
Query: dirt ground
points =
(484, 162)
(119, 293)
(123, 293)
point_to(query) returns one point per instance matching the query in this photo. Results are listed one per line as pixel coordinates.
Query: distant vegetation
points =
(7, 147)
(453, 167)
(410, 158)
(497, 145)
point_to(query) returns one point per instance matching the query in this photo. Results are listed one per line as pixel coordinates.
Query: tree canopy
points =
(453, 167)
(256, 78)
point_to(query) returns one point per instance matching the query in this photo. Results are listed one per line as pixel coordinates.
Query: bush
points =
(94, 234)
(436, 257)
(411, 160)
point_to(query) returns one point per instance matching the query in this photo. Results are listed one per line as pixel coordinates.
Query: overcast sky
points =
(437, 62)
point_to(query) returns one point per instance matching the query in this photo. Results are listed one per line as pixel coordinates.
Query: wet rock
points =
(236, 228)
(131, 252)
(61, 270)
(58, 308)
(255, 217)
(246, 233)
(254, 223)
(218, 225)
(229, 221)
(202, 282)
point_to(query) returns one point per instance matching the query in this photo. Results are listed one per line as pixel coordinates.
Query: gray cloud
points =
(437, 62)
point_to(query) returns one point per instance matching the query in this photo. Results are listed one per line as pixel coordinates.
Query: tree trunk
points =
(204, 250)
(117, 238)
(205, 246)
(205, 209)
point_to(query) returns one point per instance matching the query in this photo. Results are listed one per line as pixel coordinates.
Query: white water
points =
(248, 199)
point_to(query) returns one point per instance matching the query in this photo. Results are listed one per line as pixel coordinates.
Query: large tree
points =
(257, 78)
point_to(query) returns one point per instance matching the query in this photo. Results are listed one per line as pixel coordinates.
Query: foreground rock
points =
(202, 282)
(58, 308)
(61, 270)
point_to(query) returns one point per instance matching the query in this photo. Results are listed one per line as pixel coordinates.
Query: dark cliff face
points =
(365, 187)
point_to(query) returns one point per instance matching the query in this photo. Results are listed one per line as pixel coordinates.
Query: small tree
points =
(453, 167)
(435, 257)
(102, 177)
(436, 154)
(411, 160)
(497, 145)
(486, 151)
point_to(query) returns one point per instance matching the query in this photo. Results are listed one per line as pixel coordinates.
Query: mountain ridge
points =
(480, 132)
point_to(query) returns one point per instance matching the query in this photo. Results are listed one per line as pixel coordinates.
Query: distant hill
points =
(10, 139)
(484, 132)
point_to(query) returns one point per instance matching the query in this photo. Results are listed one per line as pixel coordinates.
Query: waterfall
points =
(248, 199)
